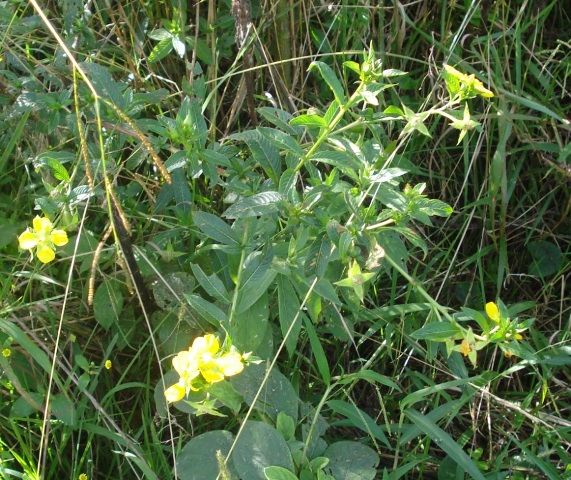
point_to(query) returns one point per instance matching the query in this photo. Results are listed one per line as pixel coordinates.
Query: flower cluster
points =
(202, 364)
(44, 238)
(464, 86)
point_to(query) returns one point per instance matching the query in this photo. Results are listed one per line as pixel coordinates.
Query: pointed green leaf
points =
(257, 277)
(288, 308)
(318, 352)
(444, 441)
(312, 120)
(257, 205)
(248, 328)
(215, 228)
(282, 140)
(211, 284)
(331, 79)
(359, 419)
(210, 312)
(107, 303)
(437, 332)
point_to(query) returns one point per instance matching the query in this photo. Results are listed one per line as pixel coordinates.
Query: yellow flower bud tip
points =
(470, 82)
(493, 311)
(175, 393)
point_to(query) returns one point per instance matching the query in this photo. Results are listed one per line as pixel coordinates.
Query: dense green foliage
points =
(367, 203)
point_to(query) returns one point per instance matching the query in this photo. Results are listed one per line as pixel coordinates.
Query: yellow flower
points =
(83, 476)
(175, 393)
(108, 364)
(470, 86)
(44, 238)
(6, 352)
(202, 361)
(493, 311)
(465, 347)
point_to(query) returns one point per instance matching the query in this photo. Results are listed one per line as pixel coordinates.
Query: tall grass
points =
(436, 415)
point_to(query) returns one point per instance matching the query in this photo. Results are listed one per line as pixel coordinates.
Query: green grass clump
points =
(383, 242)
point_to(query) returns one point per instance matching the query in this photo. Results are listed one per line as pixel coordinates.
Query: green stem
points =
(324, 134)
(239, 274)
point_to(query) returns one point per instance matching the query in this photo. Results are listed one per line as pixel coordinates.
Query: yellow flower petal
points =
(230, 364)
(208, 345)
(493, 311)
(58, 237)
(185, 363)
(455, 73)
(211, 372)
(175, 393)
(28, 240)
(42, 225)
(45, 254)
(465, 347)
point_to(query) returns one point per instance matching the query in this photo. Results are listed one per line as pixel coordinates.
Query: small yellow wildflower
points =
(493, 311)
(83, 476)
(6, 352)
(465, 347)
(108, 364)
(470, 85)
(44, 238)
(202, 361)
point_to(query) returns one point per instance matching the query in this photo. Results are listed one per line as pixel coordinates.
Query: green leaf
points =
(351, 461)
(210, 312)
(248, 328)
(547, 258)
(215, 228)
(255, 206)
(108, 303)
(286, 426)
(318, 256)
(58, 170)
(256, 278)
(359, 419)
(161, 50)
(437, 332)
(181, 190)
(444, 441)
(279, 118)
(288, 308)
(279, 473)
(197, 460)
(418, 395)
(281, 140)
(211, 284)
(287, 184)
(64, 410)
(312, 120)
(370, 376)
(317, 350)
(276, 396)
(347, 163)
(105, 84)
(258, 447)
(331, 79)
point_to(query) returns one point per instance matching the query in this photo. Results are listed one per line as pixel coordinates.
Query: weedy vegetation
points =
(285, 240)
